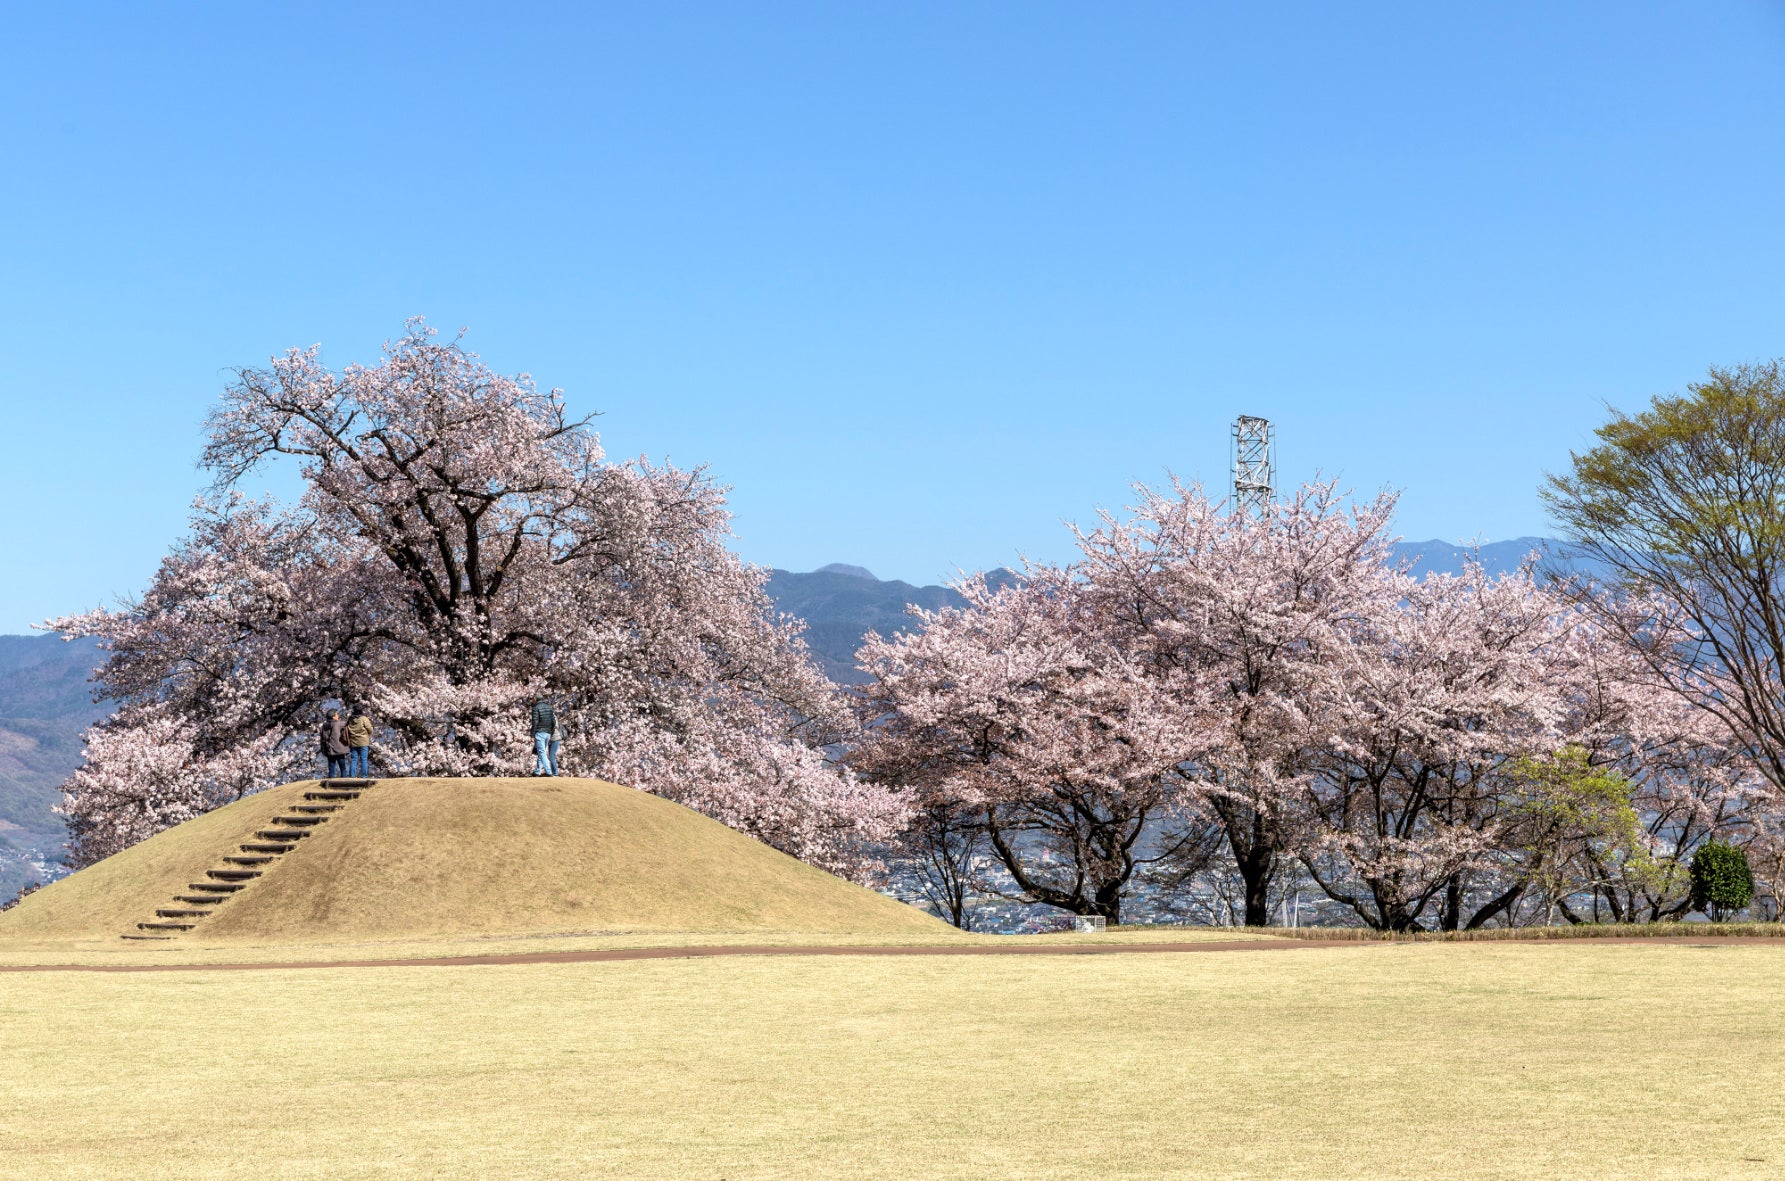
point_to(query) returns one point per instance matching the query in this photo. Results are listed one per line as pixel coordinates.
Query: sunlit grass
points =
(1568, 1059)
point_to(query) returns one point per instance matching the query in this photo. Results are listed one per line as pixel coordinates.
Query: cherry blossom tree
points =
(1020, 708)
(1688, 781)
(1424, 715)
(1240, 620)
(1490, 742)
(461, 548)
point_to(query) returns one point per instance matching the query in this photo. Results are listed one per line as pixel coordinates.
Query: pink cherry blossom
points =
(461, 548)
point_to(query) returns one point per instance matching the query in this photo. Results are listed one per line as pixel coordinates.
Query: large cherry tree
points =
(1019, 718)
(461, 548)
(1242, 620)
(1424, 717)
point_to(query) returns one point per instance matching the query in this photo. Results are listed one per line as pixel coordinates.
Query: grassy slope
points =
(108, 898)
(426, 858)
(1381, 1061)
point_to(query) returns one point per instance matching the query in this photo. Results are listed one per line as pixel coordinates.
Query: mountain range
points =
(45, 699)
(45, 703)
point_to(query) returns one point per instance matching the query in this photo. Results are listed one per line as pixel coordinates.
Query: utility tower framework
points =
(1254, 465)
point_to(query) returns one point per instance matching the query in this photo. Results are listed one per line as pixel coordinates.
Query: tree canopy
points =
(461, 548)
(1206, 692)
(1684, 505)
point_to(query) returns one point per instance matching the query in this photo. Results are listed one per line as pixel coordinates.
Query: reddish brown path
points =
(675, 953)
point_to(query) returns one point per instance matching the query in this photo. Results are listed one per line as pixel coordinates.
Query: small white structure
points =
(1089, 922)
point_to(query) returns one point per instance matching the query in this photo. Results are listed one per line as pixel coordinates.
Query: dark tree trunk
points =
(1451, 917)
(1254, 856)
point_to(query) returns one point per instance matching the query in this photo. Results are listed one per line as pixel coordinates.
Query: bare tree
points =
(943, 846)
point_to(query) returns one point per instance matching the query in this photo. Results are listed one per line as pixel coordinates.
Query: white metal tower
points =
(1254, 465)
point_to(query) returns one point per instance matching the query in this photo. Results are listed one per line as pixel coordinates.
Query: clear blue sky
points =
(921, 282)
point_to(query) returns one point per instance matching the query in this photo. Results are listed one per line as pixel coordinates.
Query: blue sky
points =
(920, 282)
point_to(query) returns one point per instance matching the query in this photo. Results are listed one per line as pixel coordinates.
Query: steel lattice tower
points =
(1254, 465)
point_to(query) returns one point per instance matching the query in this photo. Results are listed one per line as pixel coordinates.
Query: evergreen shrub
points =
(1722, 883)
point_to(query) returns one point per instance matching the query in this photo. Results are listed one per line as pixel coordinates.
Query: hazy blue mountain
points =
(845, 568)
(1441, 557)
(45, 703)
(1498, 557)
(841, 604)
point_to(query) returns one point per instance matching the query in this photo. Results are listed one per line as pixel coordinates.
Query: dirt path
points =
(673, 953)
(678, 953)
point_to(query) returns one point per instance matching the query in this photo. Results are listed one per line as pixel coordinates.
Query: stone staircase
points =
(252, 858)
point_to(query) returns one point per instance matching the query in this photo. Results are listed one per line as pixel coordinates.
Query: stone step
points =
(269, 845)
(347, 783)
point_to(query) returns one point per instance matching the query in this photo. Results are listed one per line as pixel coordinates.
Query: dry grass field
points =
(1370, 1059)
(1563, 1059)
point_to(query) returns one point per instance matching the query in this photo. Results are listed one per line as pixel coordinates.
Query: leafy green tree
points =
(1577, 828)
(1684, 504)
(1722, 884)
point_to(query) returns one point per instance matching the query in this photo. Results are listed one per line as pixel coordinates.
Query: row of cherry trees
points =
(1200, 693)
(1275, 699)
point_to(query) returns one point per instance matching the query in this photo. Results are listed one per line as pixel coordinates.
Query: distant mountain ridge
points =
(1497, 557)
(45, 703)
(840, 606)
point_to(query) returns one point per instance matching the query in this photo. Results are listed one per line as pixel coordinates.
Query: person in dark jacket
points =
(334, 744)
(358, 736)
(545, 721)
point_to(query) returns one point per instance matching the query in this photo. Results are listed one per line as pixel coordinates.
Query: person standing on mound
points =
(358, 734)
(334, 744)
(557, 742)
(545, 723)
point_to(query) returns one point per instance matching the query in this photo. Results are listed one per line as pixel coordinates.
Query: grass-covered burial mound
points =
(421, 858)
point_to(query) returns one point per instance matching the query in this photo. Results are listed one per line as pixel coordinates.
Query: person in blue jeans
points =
(358, 734)
(334, 744)
(545, 721)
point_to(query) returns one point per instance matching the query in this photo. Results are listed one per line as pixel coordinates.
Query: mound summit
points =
(422, 858)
